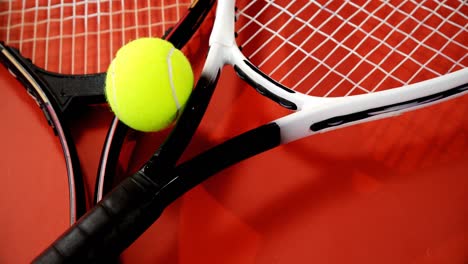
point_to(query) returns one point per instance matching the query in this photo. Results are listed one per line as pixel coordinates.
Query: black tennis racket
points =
(59, 51)
(333, 63)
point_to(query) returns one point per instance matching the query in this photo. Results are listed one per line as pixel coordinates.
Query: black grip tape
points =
(104, 232)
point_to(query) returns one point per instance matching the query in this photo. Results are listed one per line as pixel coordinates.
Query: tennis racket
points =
(333, 63)
(59, 50)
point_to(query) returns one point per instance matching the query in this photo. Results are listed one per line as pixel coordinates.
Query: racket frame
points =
(37, 88)
(321, 114)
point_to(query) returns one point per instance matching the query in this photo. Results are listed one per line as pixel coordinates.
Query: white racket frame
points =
(311, 109)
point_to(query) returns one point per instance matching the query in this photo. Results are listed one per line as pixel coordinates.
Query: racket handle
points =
(111, 226)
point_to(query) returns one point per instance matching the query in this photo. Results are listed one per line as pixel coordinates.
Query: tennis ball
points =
(148, 83)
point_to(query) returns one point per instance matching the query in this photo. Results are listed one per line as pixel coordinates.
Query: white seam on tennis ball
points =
(171, 81)
(114, 91)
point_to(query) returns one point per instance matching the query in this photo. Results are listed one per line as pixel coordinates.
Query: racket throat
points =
(223, 27)
(263, 91)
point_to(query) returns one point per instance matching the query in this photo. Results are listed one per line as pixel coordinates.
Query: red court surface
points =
(391, 191)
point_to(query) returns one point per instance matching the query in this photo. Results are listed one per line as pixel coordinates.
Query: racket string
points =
(420, 44)
(364, 58)
(330, 48)
(76, 37)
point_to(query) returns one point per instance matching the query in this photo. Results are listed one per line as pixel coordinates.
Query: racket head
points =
(330, 49)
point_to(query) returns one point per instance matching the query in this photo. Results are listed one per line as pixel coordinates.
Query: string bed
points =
(77, 37)
(340, 48)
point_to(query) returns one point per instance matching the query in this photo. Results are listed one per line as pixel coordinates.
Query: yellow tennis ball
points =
(148, 83)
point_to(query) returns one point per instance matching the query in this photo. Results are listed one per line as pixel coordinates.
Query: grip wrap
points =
(104, 232)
